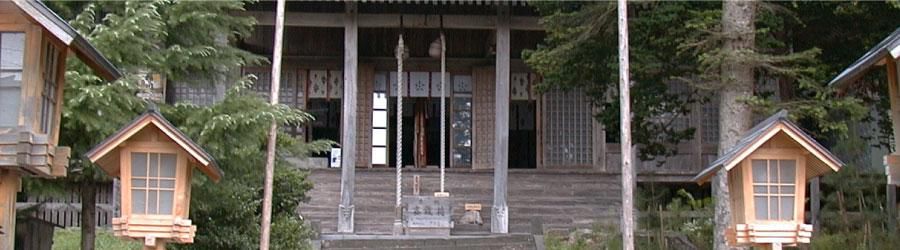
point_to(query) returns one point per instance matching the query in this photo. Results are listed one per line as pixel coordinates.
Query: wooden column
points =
(9, 186)
(894, 94)
(815, 203)
(348, 122)
(500, 212)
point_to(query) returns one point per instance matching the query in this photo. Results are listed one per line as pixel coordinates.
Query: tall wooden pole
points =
(273, 129)
(500, 210)
(346, 209)
(627, 223)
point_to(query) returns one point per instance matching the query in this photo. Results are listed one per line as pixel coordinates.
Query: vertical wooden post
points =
(894, 95)
(273, 130)
(348, 121)
(9, 186)
(815, 203)
(627, 222)
(500, 211)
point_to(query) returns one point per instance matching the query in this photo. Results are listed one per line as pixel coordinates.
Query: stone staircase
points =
(539, 201)
(498, 242)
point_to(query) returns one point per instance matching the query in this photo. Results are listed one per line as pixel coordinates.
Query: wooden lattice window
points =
(152, 182)
(774, 188)
(49, 95)
(568, 129)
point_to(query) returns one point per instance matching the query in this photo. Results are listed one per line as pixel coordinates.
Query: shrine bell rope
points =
(443, 105)
(400, 52)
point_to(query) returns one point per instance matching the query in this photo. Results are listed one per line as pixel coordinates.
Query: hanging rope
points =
(399, 52)
(443, 105)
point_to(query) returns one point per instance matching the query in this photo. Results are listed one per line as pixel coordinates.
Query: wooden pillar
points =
(9, 186)
(815, 203)
(348, 122)
(894, 95)
(500, 212)
(598, 143)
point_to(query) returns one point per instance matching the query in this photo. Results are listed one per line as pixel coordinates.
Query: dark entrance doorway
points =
(522, 134)
(421, 131)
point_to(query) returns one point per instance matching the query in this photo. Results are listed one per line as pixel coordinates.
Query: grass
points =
(70, 239)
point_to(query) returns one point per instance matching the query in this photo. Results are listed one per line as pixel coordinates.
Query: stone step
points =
(556, 200)
(525, 242)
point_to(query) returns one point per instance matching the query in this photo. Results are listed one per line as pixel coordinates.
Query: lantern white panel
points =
(392, 79)
(318, 83)
(379, 155)
(519, 86)
(418, 84)
(379, 119)
(462, 84)
(335, 84)
(379, 101)
(379, 137)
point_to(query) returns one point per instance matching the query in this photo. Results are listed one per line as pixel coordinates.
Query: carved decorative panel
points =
(335, 84)
(418, 84)
(392, 79)
(436, 84)
(317, 83)
(519, 86)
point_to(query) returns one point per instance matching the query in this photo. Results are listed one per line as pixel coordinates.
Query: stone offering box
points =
(427, 215)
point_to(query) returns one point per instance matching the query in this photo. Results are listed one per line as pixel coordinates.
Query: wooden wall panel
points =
(365, 88)
(483, 122)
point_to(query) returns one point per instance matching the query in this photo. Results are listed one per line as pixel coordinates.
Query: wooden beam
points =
(413, 21)
(9, 186)
(348, 121)
(500, 211)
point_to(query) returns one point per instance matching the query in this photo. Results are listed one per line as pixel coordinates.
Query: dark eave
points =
(864, 63)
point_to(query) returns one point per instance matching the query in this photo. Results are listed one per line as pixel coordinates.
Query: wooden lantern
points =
(154, 161)
(767, 173)
(34, 45)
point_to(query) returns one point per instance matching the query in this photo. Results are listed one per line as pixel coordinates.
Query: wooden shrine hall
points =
(529, 160)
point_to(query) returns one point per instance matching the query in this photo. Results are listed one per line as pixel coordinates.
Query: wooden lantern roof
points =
(60, 29)
(890, 46)
(819, 160)
(204, 160)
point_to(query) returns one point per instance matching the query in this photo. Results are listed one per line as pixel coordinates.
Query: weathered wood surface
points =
(560, 201)
(500, 211)
(348, 120)
(65, 210)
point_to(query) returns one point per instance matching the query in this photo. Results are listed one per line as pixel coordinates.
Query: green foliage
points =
(600, 237)
(580, 51)
(183, 39)
(70, 239)
(664, 212)
(234, 131)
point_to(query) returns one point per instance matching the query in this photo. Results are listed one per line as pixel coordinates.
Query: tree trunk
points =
(88, 215)
(734, 113)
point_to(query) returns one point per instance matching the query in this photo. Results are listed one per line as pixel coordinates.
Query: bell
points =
(435, 49)
(405, 51)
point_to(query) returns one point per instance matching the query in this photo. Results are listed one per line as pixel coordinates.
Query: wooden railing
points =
(65, 210)
(690, 160)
